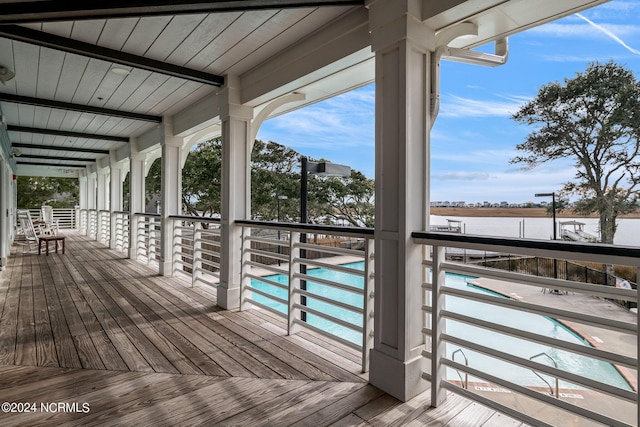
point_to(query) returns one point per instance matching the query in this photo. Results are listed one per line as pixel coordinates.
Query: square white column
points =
(136, 194)
(402, 45)
(171, 192)
(236, 190)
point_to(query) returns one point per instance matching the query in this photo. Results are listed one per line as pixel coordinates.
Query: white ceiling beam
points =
(32, 170)
(197, 116)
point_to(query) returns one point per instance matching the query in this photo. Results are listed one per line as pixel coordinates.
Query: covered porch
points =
(94, 327)
(103, 91)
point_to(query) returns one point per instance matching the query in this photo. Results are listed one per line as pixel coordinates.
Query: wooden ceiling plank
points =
(88, 31)
(144, 34)
(86, 88)
(56, 118)
(185, 91)
(26, 115)
(237, 31)
(73, 68)
(49, 72)
(58, 10)
(295, 32)
(26, 67)
(42, 117)
(151, 84)
(62, 29)
(253, 41)
(116, 32)
(131, 84)
(176, 31)
(209, 30)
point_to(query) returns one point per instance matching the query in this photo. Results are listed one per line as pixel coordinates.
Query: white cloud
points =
(457, 106)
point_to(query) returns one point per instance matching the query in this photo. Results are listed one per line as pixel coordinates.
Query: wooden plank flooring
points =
(120, 345)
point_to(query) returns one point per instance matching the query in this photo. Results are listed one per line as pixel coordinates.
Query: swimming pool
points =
(578, 364)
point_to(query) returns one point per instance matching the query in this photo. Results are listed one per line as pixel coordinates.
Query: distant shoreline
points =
(512, 213)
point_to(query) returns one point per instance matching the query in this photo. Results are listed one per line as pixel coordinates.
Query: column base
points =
(165, 268)
(402, 380)
(229, 298)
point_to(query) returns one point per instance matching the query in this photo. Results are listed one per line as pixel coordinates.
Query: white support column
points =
(136, 195)
(403, 45)
(236, 191)
(83, 201)
(102, 199)
(115, 196)
(171, 193)
(92, 180)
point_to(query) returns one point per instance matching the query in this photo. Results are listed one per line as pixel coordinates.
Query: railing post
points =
(245, 268)
(196, 250)
(367, 308)
(438, 370)
(293, 313)
(113, 230)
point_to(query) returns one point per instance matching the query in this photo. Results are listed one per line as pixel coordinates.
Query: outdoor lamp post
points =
(553, 210)
(322, 169)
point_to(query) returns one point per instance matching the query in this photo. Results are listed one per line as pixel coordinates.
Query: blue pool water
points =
(588, 367)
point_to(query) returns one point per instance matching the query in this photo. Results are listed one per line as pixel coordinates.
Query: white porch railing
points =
(334, 297)
(64, 217)
(92, 223)
(441, 340)
(103, 233)
(196, 248)
(120, 223)
(147, 242)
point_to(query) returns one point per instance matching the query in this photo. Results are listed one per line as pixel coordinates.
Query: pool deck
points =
(605, 339)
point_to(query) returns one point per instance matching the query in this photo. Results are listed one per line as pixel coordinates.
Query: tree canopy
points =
(593, 119)
(35, 191)
(275, 187)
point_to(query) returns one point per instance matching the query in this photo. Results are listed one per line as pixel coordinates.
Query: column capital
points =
(167, 136)
(393, 21)
(229, 101)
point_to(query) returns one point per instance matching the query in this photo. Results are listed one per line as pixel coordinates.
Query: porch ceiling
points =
(115, 68)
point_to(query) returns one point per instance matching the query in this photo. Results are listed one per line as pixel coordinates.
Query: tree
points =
(593, 119)
(201, 179)
(274, 173)
(345, 199)
(35, 191)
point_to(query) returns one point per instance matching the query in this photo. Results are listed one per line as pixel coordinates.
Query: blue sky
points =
(474, 136)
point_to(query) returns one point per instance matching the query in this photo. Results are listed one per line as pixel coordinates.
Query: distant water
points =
(628, 233)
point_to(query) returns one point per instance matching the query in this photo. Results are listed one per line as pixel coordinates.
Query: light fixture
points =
(16, 152)
(6, 74)
(120, 71)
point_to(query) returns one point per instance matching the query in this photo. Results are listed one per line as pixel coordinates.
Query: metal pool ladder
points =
(555, 364)
(465, 382)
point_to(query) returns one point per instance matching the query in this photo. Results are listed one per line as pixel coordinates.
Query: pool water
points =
(581, 365)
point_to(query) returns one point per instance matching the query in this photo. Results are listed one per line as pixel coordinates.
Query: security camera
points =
(6, 74)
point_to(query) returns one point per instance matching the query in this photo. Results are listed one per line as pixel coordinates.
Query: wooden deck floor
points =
(119, 345)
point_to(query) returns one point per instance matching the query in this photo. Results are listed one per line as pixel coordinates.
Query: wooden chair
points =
(50, 225)
(36, 236)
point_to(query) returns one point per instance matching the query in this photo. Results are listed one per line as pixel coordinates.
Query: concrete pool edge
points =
(504, 288)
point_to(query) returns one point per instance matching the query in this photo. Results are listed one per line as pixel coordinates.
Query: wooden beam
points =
(58, 165)
(49, 103)
(12, 128)
(58, 148)
(40, 38)
(64, 158)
